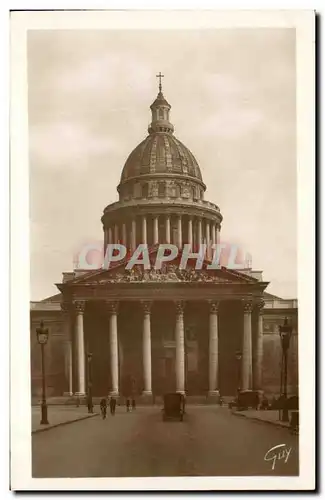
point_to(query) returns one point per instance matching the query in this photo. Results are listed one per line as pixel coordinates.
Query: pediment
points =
(170, 272)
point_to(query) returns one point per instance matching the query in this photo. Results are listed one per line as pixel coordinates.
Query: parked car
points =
(248, 399)
(245, 400)
(280, 403)
(174, 406)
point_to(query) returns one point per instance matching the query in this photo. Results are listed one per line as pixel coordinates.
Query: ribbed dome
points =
(161, 153)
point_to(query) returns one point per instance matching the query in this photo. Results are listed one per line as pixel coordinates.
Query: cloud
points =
(223, 84)
(102, 75)
(91, 74)
(55, 144)
(231, 122)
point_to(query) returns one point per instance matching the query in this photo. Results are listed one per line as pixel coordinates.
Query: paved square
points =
(211, 441)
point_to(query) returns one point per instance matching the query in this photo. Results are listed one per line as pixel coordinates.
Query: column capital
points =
(260, 305)
(214, 306)
(79, 306)
(65, 307)
(112, 306)
(180, 306)
(248, 306)
(146, 306)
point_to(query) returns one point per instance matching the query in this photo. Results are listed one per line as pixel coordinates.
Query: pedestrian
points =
(127, 404)
(103, 408)
(112, 405)
(133, 403)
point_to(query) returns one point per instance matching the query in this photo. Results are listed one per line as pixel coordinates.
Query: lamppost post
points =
(42, 338)
(285, 332)
(90, 397)
(238, 357)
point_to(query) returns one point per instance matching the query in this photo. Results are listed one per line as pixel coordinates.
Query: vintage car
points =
(248, 399)
(291, 403)
(174, 406)
(245, 400)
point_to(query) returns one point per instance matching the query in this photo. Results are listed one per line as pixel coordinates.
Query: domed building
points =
(161, 192)
(205, 331)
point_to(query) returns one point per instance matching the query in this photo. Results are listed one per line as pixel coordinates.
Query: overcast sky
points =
(232, 94)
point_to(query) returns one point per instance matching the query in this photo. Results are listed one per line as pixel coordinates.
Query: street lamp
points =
(285, 332)
(42, 338)
(238, 357)
(90, 397)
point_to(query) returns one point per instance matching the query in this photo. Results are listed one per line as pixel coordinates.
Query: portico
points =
(162, 335)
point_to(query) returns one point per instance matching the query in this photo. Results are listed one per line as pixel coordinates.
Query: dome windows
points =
(161, 189)
(145, 190)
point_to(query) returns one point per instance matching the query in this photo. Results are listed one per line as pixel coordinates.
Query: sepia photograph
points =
(164, 334)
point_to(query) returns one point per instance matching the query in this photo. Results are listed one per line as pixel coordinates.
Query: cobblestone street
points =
(209, 442)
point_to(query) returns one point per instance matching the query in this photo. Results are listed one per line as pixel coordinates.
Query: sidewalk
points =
(58, 415)
(267, 416)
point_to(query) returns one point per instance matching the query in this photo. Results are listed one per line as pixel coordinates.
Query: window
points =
(137, 190)
(145, 190)
(161, 189)
(161, 114)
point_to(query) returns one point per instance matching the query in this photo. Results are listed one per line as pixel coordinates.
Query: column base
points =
(79, 398)
(146, 398)
(68, 394)
(213, 397)
(113, 394)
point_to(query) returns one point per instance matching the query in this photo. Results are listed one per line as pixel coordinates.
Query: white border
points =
(303, 21)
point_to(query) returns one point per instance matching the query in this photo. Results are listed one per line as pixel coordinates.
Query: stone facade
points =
(200, 373)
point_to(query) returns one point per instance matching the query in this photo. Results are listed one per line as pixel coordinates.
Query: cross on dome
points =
(160, 76)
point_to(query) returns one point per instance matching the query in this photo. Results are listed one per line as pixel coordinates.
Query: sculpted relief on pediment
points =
(168, 273)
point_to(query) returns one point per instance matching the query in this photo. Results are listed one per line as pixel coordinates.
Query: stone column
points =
(190, 232)
(213, 232)
(80, 348)
(179, 231)
(113, 342)
(105, 239)
(199, 232)
(116, 235)
(180, 352)
(124, 235)
(68, 358)
(146, 349)
(167, 229)
(247, 348)
(133, 234)
(110, 236)
(258, 358)
(155, 231)
(207, 236)
(213, 349)
(217, 235)
(144, 229)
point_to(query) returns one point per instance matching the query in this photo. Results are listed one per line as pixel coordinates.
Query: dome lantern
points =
(160, 113)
